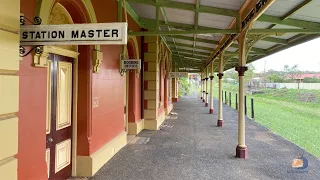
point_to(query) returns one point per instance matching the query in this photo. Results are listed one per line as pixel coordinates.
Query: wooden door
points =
(59, 117)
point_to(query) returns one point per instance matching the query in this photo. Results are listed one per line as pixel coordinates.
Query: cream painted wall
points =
(9, 87)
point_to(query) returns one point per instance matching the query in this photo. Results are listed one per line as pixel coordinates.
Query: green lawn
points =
(293, 114)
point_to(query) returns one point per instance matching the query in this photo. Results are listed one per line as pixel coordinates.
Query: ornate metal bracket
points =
(36, 20)
(251, 39)
(241, 70)
(97, 60)
(220, 75)
(37, 49)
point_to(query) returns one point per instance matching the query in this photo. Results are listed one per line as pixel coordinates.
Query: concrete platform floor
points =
(190, 146)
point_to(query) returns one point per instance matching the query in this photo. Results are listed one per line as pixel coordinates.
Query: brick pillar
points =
(9, 87)
(152, 119)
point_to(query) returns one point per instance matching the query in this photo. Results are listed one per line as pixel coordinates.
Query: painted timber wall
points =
(9, 87)
(99, 97)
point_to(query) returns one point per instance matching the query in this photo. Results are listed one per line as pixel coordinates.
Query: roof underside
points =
(192, 52)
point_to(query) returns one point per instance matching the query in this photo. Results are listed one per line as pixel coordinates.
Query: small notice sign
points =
(74, 34)
(178, 74)
(131, 64)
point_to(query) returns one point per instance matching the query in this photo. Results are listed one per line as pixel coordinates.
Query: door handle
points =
(50, 140)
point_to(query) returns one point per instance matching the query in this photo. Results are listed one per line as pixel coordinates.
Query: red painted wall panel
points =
(108, 88)
(32, 122)
(32, 114)
(94, 130)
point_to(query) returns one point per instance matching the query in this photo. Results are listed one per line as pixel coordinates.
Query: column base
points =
(211, 111)
(206, 104)
(220, 123)
(203, 100)
(242, 152)
(175, 99)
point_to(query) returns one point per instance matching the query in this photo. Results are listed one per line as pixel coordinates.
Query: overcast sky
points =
(306, 55)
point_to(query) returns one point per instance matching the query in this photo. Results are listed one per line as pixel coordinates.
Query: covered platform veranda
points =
(210, 37)
(190, 145)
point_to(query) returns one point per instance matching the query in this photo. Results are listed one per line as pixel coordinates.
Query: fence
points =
(293, 85)
(279, 119)
(248, 106)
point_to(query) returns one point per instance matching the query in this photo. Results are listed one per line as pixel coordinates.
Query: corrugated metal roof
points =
(281, 7)
(228, 4)
(180, 15)
(214, 21)
(309, 12)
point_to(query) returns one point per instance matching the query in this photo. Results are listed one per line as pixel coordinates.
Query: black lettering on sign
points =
(99, 31)
(91, 33)
(75, 34)
(83, 34)
(25, 35)
(38, 35)
(43, 33)
(115, 33)
(54, 34)
(260, 4)
(32, 32)
(106, 33)
(61, 34)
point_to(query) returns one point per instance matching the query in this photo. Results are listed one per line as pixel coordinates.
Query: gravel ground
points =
(190, 146)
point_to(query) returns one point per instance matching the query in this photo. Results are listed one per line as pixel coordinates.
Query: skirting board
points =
(136, 127)
(169, 109)
(8, 168)
(154, 124)
(87, 166)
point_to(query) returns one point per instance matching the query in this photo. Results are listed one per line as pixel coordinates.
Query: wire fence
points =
(286, 124)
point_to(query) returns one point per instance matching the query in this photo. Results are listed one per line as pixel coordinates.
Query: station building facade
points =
(68, 110)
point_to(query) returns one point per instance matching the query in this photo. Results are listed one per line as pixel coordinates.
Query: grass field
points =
(292, 114)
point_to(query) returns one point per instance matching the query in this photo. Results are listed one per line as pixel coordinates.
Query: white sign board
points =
(178, 74)
(74, 34)
(131, 64)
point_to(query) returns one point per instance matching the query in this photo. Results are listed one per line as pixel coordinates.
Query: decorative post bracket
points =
(38, 49)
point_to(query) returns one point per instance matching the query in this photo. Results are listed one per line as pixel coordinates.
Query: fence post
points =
(245, 105)
(222, 95)
(236, 101)
(230, 99)
(225, 97)
(252, 108)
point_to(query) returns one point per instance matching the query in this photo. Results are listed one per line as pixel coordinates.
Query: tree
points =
(231, 74)
(311, 80)
(291, 72)
(275, 77)
(185, 87)
(250, 73)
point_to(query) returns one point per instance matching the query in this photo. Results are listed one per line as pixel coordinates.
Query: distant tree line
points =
(288, 74)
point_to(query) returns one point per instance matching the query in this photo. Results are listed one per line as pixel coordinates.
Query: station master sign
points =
(74, 34)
